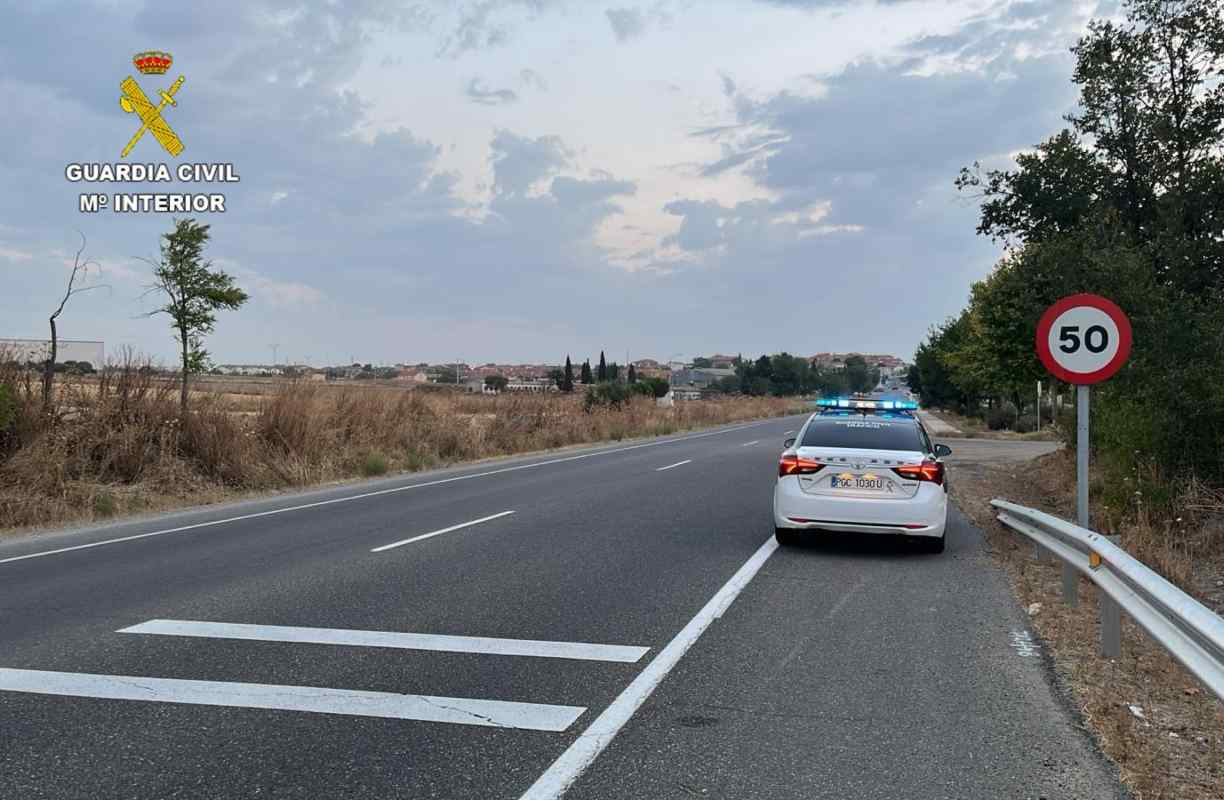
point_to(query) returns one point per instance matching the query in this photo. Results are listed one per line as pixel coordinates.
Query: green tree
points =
(789, 375)
(702, 363)
(497, 383)
(606, 394)
(194, 292)
(859, 375)
(587, 379)
(658, 387)
(603, 368)
(567, 378)
(632, 374)
(1128, 203)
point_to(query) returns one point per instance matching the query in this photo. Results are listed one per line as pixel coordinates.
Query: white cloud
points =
(14, 254)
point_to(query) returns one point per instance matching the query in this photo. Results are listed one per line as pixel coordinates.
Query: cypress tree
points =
(603, 367)
(632, 374)
(567, 382)
(586, 372)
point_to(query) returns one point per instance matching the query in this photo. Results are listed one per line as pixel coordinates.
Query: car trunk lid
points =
(859, 473)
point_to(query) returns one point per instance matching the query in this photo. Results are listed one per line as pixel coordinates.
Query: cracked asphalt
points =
(850, 668)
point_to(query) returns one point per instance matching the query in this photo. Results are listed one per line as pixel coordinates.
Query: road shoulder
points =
(936, 694)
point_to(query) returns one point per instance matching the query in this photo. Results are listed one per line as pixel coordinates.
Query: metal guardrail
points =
(1190, 631)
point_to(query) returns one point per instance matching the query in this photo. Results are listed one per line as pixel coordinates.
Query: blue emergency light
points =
(881, 405)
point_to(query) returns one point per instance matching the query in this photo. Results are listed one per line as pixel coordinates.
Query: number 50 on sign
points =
(1083, 339)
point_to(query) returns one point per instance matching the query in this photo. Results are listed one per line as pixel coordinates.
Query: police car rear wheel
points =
(786, 536)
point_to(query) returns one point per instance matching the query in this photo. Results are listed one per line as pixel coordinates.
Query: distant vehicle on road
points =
(862, 466)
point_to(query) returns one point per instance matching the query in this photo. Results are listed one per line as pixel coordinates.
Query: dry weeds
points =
(117, 445)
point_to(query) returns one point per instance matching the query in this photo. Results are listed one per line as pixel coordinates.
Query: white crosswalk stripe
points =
(387, 705)
(322, 700)
(580, 651)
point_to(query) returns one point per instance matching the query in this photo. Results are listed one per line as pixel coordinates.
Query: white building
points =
(36, 350)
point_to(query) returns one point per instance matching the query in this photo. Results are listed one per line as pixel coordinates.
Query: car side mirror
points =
(789, 443)
(942, 450)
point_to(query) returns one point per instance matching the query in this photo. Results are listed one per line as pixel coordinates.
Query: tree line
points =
(784, 375)
(779, 375)
(1127, 201)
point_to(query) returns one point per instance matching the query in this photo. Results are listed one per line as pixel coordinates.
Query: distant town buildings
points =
(36, 351)
(700, 377)
(888, 365)
(689, 378)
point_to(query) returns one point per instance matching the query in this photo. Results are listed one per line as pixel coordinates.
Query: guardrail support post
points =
(1070, 581)
(1111, 621)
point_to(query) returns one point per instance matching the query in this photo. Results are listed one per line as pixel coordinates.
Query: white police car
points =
(862, 466)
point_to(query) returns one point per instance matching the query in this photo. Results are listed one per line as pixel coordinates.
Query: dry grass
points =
(975, 428)
(1176, 750)
(117, 445)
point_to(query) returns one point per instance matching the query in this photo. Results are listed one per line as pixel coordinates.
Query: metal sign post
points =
(1084, 339)
(1039, 406)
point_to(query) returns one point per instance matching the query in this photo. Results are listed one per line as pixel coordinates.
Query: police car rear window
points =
(863, 432)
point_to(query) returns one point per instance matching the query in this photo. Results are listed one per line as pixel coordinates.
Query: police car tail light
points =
(932, 471)
(794, 465)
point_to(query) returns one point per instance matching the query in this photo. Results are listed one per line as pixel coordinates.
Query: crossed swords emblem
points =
(135, 101)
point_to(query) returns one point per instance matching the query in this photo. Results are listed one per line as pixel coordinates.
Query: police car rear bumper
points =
(925, 514)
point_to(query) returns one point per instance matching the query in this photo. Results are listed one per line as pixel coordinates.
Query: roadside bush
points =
(1002, 417)
(658, 386)
(8, 411)
(1026, 424)
(373, 465)
(104, 505)
(606, 395)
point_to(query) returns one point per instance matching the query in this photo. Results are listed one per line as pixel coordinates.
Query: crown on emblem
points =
(152, 62)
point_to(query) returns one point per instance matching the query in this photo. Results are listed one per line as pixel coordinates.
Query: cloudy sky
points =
(515, 180)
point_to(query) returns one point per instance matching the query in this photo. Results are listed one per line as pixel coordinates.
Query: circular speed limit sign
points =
(1083, 339)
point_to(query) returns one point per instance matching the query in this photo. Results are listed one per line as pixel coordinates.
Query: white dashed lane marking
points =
(432, 534)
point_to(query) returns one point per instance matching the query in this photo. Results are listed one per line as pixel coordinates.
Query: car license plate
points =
(868, 482)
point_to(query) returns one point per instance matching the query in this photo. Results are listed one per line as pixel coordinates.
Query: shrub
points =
(104, 504)
(8, 408)
(659, 387)
(1002, 417)
(1026, 424)
(374, 464)
(606, 394)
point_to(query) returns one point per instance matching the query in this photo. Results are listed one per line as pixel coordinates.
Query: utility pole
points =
(275, 348)
(1039, 406)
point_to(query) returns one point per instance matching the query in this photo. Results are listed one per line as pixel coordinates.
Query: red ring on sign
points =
(1092, 301)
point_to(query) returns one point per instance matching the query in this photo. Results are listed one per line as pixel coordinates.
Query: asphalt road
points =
(629, 631)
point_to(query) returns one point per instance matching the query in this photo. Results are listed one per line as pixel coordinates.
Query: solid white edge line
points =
(749, 444)
(591, 742)
(318, 700)
(677, 464)
(377, 493)
(432, 534)
(397, 640)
